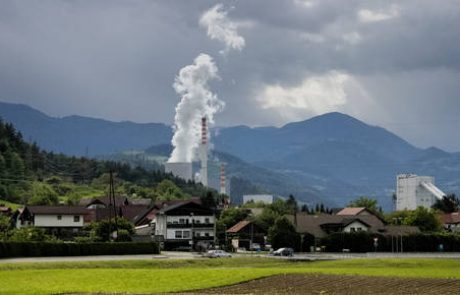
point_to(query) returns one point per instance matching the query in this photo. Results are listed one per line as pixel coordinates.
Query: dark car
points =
(284, 252)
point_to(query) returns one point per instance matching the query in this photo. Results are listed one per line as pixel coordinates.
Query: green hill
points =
(29, 175)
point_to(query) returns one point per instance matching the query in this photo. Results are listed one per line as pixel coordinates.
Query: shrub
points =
(38, 249)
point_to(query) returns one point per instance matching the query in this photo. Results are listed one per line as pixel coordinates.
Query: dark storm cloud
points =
(394, 63)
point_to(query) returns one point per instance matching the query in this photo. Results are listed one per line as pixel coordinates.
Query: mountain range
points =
(333, 157)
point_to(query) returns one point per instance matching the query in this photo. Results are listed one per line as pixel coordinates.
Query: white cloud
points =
(314, 95)
(305, 3)
(313, 38)
(369, 16)
(352, 38)
(221, 28)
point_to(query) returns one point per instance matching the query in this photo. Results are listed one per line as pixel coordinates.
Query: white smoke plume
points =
(221, 28)
(197, 101)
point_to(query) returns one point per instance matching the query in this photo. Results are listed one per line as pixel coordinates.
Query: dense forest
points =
(29, 175)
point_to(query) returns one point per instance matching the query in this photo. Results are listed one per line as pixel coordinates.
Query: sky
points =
(394, 64)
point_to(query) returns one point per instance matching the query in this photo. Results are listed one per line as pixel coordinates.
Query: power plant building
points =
(182, 170)
(413, 191)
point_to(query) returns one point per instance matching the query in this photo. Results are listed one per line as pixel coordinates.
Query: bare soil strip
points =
(335, 284)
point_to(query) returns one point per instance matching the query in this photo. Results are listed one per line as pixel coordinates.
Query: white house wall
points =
(171, 233)
(358, 226)
(52, 221)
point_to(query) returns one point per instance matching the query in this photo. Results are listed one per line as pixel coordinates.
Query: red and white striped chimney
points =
(204, 152)
(223, 181)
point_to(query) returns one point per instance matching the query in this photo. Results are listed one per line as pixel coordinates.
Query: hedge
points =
(38, 249)
(364, 242)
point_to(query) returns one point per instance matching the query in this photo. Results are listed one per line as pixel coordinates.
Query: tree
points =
(17, 167)
(426, 220)
(43, 194)
(209, 200)
(305, 209)
(168, 190)
(292, 205)
(447, 204)
(30, 234)
(368, 203)
(283, 234)
(103, 229)
(321, 208)
(5, 226)
(230, 217)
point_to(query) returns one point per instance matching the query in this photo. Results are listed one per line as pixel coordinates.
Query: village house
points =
(103, 208)
(60, 221)
(312, 228)
(451, 221)
(247, 235)
(179, 224)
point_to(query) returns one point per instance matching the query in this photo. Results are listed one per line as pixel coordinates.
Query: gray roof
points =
(312, 223)
(61, 210)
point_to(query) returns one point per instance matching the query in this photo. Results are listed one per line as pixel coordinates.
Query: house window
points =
(76, 218)
(178, 234)
(206, 234)
(59, 217)
(175, 222)
(197, 221)
(181, 221)
(206, 220)
(352, 229)
(186, 235)
(359, 229)
(197, 234)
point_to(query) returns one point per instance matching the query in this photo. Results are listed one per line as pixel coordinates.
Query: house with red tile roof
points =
(248, 235)
(451, 221)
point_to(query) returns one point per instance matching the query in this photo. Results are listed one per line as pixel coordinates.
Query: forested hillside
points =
(31, 175)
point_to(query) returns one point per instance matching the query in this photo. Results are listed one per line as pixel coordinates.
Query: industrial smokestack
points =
(223, 182)
(204, 152)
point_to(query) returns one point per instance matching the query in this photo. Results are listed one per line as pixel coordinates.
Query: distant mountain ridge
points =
(333, 156)
(77, 135)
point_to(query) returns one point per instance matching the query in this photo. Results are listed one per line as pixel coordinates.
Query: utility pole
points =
(112, 196)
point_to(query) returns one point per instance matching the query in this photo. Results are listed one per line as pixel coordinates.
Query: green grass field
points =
(158, 276)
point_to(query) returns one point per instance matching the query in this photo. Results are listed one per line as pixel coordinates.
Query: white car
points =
(284, 252)
(217, 254)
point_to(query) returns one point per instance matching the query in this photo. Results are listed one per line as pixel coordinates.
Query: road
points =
(164, 255)
(190, 255)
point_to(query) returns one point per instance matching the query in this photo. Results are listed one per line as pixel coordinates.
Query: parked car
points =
(217, 254)
(284, 252)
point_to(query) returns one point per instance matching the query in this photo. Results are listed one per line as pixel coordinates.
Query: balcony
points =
(189, 225)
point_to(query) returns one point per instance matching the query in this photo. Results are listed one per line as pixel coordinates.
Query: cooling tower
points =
(180, 169)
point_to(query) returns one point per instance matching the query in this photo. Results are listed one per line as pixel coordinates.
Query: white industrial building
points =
(413, 191)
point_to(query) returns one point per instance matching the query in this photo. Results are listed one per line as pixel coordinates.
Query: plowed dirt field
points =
(334, 284)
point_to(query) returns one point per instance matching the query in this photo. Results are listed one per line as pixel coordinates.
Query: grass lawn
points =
(159, 276)
(13, 206)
